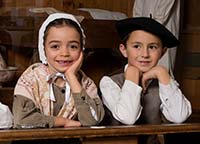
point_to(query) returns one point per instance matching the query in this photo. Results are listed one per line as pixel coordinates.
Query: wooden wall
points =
(21, 56)
(189, 53)
(124, 6)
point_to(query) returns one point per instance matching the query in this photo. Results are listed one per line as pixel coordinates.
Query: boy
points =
(143, 92)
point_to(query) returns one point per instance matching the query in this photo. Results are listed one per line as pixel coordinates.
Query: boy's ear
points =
(164, 51)
(123, 50)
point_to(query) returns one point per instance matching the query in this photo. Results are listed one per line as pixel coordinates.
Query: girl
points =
(56, 93)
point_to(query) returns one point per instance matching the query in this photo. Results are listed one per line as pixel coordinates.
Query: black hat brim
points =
(126, 26)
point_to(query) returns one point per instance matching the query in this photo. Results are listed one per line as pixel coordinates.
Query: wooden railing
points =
(101, 134)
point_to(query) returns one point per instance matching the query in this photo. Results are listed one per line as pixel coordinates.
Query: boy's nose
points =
(145, 52)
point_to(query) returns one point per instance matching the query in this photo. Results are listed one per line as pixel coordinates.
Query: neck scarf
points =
(51, 79)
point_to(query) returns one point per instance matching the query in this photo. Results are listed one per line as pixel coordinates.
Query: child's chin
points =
(63, 70)
(144, 70)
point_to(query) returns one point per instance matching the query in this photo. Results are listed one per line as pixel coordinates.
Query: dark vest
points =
(151, 114)
(150, 101)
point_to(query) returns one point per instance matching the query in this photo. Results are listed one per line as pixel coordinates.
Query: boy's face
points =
(62, 47)
(143, 50)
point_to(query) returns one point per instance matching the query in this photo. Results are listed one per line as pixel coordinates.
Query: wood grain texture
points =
(97, 132)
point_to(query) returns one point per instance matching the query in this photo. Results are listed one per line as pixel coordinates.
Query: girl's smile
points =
(143, 50)
(62, 47)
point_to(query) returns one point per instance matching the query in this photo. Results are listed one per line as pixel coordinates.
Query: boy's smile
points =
(143, 50)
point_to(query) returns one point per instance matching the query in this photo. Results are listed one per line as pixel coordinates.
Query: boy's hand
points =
(158, 72)
(133, 74)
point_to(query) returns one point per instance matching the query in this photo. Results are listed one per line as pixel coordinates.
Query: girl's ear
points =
(123, 50)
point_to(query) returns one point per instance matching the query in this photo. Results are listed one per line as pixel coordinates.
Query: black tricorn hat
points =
(126, 26)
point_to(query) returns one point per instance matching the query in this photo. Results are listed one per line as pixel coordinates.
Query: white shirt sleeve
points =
(124, 103)
(175, 107)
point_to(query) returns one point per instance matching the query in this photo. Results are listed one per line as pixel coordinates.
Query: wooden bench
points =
(99, 135)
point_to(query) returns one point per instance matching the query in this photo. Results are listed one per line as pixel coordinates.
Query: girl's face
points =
(62, 47)
(143, 50)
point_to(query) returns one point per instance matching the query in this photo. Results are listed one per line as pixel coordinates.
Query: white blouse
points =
(124, 103)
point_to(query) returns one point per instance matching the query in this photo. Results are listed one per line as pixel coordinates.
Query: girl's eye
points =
(74, 46)
(54, 46)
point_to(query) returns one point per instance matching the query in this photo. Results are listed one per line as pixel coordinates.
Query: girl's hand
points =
(71, 76)
(64, 122)
(72, 123)
(75, 66)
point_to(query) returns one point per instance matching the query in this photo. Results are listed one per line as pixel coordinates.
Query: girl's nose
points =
(65, 51)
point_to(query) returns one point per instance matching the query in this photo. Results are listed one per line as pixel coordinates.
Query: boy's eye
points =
(153, 47)
(136, 46)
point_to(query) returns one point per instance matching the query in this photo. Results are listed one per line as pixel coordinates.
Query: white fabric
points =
(6, 119)
(93, 113)
(125, 103)
(175, 107)
(48, 10)
(51, 79)
(43, 58)
(167, 12)
(51, 18)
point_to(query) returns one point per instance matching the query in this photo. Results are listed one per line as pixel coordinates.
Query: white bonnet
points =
(49, 19)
